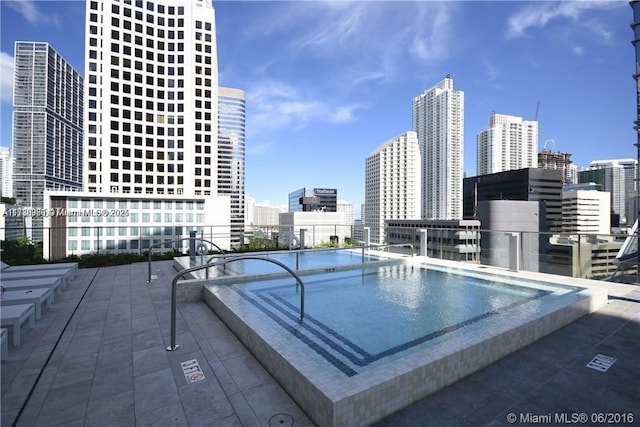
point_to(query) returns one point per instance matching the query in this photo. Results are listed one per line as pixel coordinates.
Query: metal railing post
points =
(303, 235)
(173, 346)
(423, 242)
(477, 244)
(514, 251)
(192, 245)
(175, 241)
(299, 283)
(579, 257)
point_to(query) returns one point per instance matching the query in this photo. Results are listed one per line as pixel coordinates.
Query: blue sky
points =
(328, 82)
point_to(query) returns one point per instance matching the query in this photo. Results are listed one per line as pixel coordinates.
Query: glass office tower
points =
(47, 126)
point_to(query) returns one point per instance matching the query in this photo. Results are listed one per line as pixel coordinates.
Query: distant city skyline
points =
(326, 82)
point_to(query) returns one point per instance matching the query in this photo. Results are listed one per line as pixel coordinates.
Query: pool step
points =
(328, 344)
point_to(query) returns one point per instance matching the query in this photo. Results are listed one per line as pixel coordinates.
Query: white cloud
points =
(491, 70)
(492, 73)
(357, 76)
(435, 43)
(258, 149)
(6, 77)
(540, 14)
(276, 105)
(30, 12)
(369, 39)
(342, 28)
(343, 114)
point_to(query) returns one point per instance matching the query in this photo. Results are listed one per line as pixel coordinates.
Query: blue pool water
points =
(355, 318)
(305, 260)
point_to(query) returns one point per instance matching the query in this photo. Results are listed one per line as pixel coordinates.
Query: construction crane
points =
(537, 111)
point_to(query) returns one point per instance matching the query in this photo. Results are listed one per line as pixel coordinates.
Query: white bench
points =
(13, 316)
(4, 345)
(11, 275)
(67, 267)
(48, 282)
(35, 296)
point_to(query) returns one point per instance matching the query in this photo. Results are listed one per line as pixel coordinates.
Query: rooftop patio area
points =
(98, 357)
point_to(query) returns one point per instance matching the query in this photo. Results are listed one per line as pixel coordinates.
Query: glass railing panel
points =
(591, 256)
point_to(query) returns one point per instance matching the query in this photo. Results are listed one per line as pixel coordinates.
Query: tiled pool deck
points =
(97, 358)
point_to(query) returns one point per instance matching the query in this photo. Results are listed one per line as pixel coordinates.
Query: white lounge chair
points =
(64, 274)
(35, 296)
(48, 282)
(71, 267)
(13, 316)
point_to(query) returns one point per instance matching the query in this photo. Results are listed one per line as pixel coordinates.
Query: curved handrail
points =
(173, 345)
(209, 261)
(176, 241)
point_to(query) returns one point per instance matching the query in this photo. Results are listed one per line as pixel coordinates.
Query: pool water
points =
(378, 337)
(355, 318)
(303, 260)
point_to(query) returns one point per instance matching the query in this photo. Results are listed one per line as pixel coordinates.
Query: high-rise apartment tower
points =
(392, 183)
(438, 120)
(47, 126)
(509, 143)
(151, 97)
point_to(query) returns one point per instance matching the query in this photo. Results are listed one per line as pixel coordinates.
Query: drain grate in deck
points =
(601, 362)
(192, 371)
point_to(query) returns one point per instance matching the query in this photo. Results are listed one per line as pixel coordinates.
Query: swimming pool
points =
(374, 340)
(299, 260)
(356, 318)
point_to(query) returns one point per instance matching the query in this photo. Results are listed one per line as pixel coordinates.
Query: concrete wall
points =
(500, 218)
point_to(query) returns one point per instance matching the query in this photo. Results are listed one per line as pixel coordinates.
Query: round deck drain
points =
(281, 420)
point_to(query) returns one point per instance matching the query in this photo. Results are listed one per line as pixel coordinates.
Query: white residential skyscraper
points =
(47, 126)
(438, 120)
(509, 143)
(151, 130)
(392, 183)
(151, 97)
(349, 212)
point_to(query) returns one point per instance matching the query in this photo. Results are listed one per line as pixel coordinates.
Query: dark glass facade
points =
(316, 199)
(231, 155)
(529, 184)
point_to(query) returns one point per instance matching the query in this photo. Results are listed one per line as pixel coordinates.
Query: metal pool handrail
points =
(174, 283)
(176, 241)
